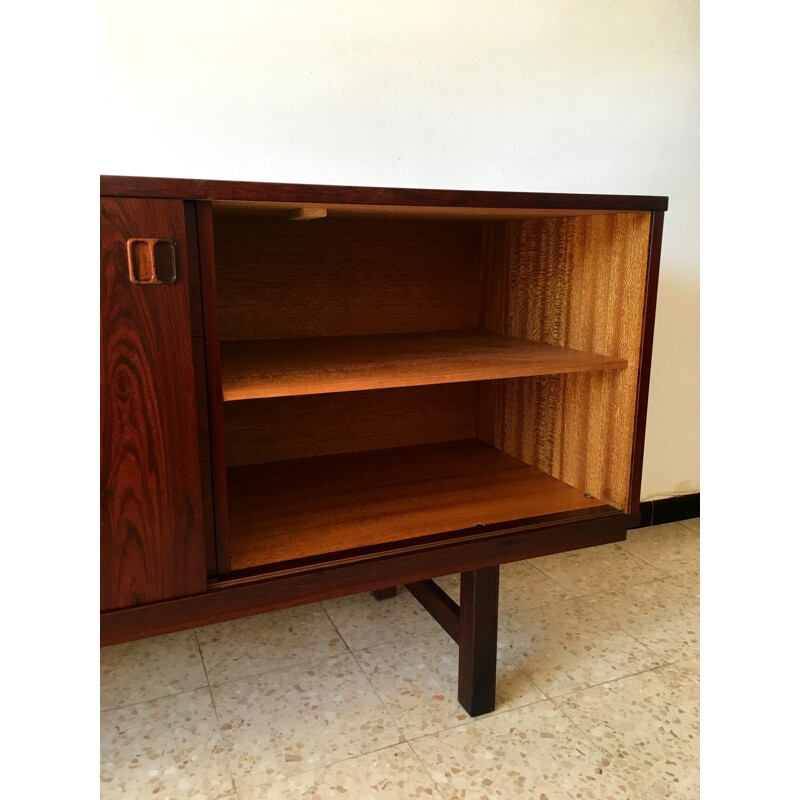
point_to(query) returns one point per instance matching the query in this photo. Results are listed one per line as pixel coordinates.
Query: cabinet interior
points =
(394, 373)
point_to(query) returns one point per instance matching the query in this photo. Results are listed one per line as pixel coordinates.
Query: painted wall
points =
(544, 95)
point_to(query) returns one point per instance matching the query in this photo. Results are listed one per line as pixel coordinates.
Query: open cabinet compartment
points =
(393, 374)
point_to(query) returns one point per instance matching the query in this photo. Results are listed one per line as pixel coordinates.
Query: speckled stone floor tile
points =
(521, 586)
(168, 748)
(671, 548)
(533, 752)
(417, 679)
(688, 667)
(149, 668)
(649, 726)
(694, 524)
(289, 721)
(296, 717)
(364, 621)
(660, 614)
(391, 774)
(567, 646)
(596, 569)
(253, 645)
(687, 582)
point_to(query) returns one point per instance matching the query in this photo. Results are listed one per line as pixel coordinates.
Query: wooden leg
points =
(477, 646)
(385, 594)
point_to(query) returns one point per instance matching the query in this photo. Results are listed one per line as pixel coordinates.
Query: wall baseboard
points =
(669, 509)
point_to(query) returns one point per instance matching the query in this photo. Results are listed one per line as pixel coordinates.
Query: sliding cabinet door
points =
(152, 544)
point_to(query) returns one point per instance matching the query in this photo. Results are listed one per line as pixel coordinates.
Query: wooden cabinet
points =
(346, 389)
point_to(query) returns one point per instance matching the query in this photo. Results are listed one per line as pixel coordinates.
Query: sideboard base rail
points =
(254, 595)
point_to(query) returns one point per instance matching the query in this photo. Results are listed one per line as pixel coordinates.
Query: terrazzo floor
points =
(597, 690)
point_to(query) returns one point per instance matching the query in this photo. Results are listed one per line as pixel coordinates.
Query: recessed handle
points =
(152, 261)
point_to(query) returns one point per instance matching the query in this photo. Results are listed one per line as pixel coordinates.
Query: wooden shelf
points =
(294, 509)
(284, 367)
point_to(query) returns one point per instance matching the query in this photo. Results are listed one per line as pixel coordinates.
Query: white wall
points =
(544, 95)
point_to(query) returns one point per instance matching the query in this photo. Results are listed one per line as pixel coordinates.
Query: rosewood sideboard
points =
(312, 391)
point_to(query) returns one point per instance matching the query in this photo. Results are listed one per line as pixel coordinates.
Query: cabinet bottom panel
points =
(284, 511)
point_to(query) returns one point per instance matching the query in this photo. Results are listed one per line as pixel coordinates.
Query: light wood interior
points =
(264, 208)
(287, 367)
(393, 376)
(573, 282)
(287, 428)
(288, 510)
(283, 280)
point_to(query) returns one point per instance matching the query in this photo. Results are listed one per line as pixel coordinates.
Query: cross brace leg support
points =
(473, 625)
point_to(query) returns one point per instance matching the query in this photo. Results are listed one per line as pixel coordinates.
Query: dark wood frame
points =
(299, 583)
(315, 194)
(205, 235)
(476, 554)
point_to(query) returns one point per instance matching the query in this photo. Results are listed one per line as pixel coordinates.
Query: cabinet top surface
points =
(312, 194)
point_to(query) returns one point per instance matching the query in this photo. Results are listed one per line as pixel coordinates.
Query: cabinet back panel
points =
(336, 277)
(287, 428)
(577, 282)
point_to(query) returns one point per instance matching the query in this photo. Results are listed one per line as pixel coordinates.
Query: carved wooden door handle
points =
(152, 261)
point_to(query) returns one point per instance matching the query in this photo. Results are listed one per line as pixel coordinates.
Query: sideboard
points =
(311, 391)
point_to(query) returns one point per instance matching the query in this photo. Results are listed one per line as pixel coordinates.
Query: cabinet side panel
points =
(576, 282)
(151, 508)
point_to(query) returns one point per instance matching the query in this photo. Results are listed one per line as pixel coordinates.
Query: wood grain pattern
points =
(293, 509)
(151, 509)
(205, 245)
(564, 281)
(339, 576)
(315, 194)
(193, 261)
(201, 397)
(281, 429)
(576, 282)
(279, 279)
(209, 533)
(280, 368)
(477, 640)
